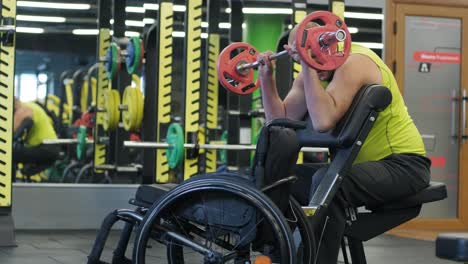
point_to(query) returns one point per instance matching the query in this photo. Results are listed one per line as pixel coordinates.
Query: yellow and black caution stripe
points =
(7, 75)
(68, 106)
(337, 7)
(102, 84)
(84, 95)
(166, 22)
(93, 82)
(192, 78)
(212, 96)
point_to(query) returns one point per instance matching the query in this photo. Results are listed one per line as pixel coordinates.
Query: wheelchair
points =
(229, 218)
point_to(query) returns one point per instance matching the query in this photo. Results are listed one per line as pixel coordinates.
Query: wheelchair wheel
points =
(214, 220)
(299, 223)
(70, 172)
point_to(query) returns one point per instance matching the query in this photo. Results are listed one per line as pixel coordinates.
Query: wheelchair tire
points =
(70, 173)
(307, 247)
(157, 224)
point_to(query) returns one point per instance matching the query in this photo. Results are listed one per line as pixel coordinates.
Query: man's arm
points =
(327, 107)
(21, 113)
(293, 106)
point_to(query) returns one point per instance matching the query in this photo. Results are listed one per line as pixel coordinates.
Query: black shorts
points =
(368, 183)
(39, 155)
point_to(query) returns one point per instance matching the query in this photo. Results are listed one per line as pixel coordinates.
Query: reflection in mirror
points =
(49, 51)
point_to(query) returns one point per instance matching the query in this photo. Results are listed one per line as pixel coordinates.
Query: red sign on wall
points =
(440, 57)
(438, 161)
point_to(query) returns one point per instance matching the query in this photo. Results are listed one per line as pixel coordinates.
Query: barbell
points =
(81, 141)
(175, 146)
(318, 46)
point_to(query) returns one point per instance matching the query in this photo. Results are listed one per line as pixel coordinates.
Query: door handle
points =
(464, 99)
(453, 128)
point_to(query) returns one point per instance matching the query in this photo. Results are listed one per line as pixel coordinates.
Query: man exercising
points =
(34, 125)
(390, 165)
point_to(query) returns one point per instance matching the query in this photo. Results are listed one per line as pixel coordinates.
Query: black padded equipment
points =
(383, 218)
(453, 246)
(346, 140)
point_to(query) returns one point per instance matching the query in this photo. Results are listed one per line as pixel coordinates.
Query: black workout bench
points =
(367, 225)
(347, 137)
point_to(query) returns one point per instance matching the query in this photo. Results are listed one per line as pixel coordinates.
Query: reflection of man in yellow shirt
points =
(34, 126)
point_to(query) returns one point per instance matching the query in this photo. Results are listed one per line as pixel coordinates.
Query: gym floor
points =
(67, 247)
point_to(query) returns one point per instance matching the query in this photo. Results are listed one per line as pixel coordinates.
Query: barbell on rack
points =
(318, 46)
(133, 54)
(81, 141)
(175, 146)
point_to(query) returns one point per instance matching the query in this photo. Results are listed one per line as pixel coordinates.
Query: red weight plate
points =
(228, 75)
(308, 41)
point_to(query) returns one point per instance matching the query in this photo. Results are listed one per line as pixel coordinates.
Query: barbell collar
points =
(162, 145)
(329, 38)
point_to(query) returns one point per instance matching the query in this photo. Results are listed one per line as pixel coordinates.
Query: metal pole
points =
(64, 141)
(159, 145)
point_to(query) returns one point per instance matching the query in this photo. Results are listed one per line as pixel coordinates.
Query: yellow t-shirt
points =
(42, 128)
(394, 131)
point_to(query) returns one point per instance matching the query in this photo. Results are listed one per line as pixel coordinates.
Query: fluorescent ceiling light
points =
(135, 9)
(176, 8)
(151, 6)
(262, 10)
(178, 34)
(370, 45)
(353, 30)
(224, 25)
(364, 15)
(149, 21)
(179, 8)
(85, 31)
(53, 5)
(29, 30)
(134, 23)
(41, 19)
(289, 11)
(132, 34)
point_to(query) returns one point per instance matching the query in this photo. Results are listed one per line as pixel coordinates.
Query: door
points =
(428, 62)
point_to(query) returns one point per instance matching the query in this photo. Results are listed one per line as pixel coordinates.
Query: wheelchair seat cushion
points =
(148, 194)
(453, 246)
(434, 192)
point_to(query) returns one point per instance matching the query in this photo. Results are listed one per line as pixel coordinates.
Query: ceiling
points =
(369, 30)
